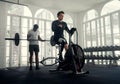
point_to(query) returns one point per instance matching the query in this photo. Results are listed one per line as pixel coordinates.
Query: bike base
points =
(69, 72)
(82, 72)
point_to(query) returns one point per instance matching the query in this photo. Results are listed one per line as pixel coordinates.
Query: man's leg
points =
(60, 52)
(36, 49)
(37, 60)
(60, 56)
(66, 47)
(31, 59)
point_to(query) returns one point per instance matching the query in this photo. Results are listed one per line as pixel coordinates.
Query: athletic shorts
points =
(33, 48)
(62, 41)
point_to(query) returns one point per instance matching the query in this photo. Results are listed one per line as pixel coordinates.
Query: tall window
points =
(44, 21)
(104, 30)
(18, 21)
(90, 35)
(110, 7)
(111, 23)
(91, 14)
(69, 21)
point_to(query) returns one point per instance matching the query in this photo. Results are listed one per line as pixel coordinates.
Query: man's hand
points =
(60, 25)
(72, 30)
(29, 37)
(43, 40)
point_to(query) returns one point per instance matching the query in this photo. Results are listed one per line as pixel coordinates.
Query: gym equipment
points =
(54, 60)
(52, 42)
(74, 57)
(17, 39)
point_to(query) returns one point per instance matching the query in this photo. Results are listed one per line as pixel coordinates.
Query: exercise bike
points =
(74, 57)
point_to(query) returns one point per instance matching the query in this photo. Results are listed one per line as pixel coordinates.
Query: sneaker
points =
(58, 68)
(37, 68)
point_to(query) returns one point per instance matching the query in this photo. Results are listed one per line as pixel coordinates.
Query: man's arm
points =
(53, 26)
(40, 39)
(70, 31)
(28, 36)
(66, 27)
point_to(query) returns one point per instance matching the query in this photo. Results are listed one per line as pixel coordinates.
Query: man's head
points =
(60, 15)
(35, 27)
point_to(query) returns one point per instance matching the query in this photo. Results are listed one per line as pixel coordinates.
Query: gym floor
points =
(97, 75)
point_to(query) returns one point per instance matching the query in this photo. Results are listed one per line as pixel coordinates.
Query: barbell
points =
(17, 39)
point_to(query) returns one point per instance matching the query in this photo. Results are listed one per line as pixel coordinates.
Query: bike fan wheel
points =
(79, 57)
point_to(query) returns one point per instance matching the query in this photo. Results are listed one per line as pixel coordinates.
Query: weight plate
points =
(52, 42)
(17, 39)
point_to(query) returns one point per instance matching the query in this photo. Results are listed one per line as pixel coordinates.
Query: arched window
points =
(20, 10)
(68, 19)
(91, 14)
(44, 18)
(18, 21)
(110, 24)
(111, 6)
(44, 14)
(89, 29)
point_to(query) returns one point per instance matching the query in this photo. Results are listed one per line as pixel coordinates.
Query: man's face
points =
(35, 28)
(60, 17)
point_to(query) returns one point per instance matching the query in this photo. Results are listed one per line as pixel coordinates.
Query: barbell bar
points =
(17, 39)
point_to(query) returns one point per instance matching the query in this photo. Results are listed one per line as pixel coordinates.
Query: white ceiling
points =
(69, 5)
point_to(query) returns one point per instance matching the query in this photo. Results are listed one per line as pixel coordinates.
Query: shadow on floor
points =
(97, 75)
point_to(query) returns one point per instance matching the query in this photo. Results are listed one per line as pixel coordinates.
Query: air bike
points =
(74, 57)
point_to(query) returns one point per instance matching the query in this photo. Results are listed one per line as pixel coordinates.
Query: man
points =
(32, 36)
(58, 27)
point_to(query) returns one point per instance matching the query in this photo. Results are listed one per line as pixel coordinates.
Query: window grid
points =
(107, 32)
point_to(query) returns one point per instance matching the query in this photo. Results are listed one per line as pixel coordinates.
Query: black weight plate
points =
(52, 42)
(17, 37)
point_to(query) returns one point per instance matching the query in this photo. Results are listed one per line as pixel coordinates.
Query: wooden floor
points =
(97, 75)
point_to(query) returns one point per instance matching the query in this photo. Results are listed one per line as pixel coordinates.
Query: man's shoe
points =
(30, 68)
(37, 68)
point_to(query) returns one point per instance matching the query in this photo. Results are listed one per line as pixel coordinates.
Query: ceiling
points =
(69, 5)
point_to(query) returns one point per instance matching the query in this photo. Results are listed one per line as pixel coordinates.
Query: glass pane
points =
(24, 31)
(24, 51)
(7, 51)
(24, 22)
